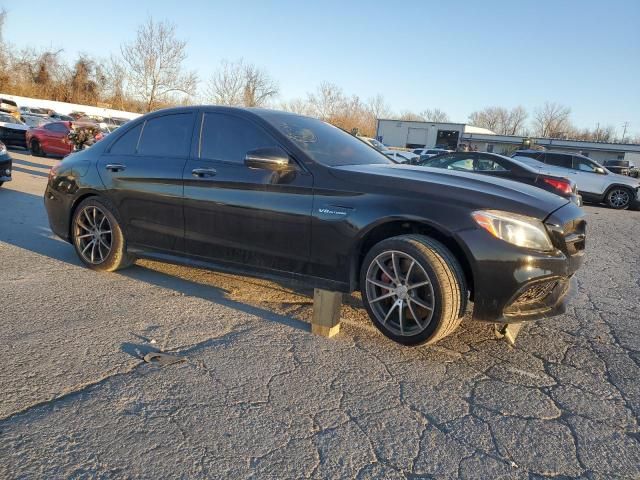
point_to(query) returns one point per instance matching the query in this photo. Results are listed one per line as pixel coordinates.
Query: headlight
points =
(527, 232)
(3, 149)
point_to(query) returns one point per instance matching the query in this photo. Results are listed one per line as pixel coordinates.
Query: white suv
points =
(595, 183)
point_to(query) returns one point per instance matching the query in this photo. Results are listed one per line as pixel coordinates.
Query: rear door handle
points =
(203, 172)
(115, 167)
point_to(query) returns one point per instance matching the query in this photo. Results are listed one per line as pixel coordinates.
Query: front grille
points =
(535, 293)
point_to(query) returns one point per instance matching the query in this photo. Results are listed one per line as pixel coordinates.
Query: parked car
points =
(400, 156)
(621, 167)
(33, 121)
(274, 193)
(504, 167)
(60, 116)
(34, 111)
(5, 165)
(12, 131)
(52, 138)
(9, 106)
(595, 183)
(430, 152)
(373, 143)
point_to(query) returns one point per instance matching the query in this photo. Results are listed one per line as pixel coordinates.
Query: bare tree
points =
(297, 105)
(154, 64)
(409, 116)
(552, 120)
(434, 115)
(500, 120)
(327, 101)
(516, 121)
(378, 107)
(239, 83)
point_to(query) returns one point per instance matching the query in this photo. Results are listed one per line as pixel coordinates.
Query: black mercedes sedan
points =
(271, 193)
(5, 165)
(504, 167)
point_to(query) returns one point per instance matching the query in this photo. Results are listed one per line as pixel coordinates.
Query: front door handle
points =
(115, 167)
(203, 172)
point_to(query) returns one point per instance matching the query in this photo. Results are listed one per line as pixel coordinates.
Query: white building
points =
(418, 134)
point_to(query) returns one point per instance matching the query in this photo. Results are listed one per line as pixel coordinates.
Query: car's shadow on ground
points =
(211, 292)
(31, 232)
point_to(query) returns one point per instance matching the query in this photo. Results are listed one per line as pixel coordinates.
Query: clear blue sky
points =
(459, 56)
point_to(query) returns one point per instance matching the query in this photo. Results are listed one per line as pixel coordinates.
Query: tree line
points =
(149, 73)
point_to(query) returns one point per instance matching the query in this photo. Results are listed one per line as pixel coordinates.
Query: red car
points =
(52, 138)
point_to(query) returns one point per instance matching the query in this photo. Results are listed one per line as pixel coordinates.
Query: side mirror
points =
(268, 158)
(600, 171)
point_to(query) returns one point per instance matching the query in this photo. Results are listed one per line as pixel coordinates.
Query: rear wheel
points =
(35, 148)
(619, 198)
(413, 289)
(98, 237)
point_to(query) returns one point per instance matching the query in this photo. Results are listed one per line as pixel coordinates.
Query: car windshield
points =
(33, 121)
(325, 143)
(8, 119)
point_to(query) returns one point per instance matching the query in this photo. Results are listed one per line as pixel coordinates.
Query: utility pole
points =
(625, 125)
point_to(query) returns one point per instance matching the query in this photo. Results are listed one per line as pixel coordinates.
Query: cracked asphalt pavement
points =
(259, 396)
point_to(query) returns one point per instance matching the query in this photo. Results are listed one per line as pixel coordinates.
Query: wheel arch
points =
(74, 205)
(402, 226)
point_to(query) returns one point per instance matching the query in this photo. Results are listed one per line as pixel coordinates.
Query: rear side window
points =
(228, 138)
(56, 127)
(127, 143)
(485, 164)
(166, 136)
(558, 160)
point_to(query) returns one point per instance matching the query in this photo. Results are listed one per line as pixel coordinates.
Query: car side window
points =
(558, 160)
(584, 165)
(127, 143)
(228, 138)
(166, 136)
(485, 164)
(56, 127)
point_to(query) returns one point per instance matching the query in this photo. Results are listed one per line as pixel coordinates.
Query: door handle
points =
(115, 167)
(203, 172)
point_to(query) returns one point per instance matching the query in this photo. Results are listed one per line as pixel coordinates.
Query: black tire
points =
(447, 289)
(619, 198)
(35, 148)
(117, 257)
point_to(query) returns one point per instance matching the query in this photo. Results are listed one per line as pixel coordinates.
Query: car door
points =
(142, 172)
(589, 177)
(54, 138)
(251, 216)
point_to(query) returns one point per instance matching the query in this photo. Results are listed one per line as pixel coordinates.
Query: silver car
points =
(595, 183)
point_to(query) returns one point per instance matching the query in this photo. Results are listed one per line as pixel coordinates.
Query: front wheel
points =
(619, 198)
(98, 237)
(35, 148)
(413, 289)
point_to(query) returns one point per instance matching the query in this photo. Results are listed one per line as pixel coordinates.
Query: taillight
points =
(559, 184)
(54, 169)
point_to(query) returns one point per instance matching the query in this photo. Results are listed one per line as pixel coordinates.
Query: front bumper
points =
(512, 285)
(5, 170)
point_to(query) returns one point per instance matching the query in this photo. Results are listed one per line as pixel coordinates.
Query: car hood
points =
(623, 179)
(14, 126)
(463, 189)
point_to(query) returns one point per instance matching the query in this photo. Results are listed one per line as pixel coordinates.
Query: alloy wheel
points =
(400, 293)
(619, 198)
(93, 235)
